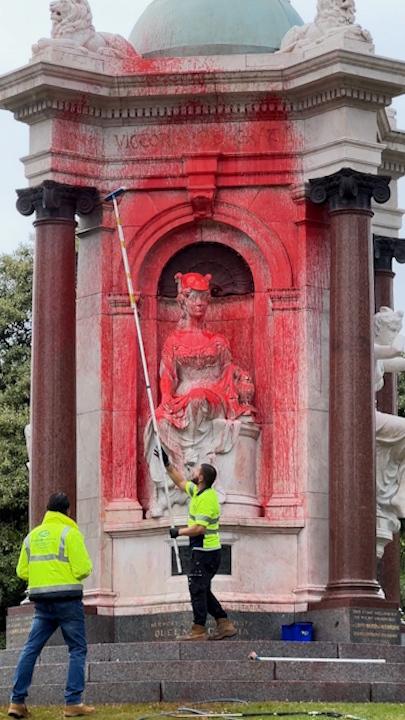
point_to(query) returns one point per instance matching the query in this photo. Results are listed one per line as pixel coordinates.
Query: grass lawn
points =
(370, 711)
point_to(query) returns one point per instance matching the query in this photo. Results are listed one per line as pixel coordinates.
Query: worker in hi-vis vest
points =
(54, 562)
(205, 545)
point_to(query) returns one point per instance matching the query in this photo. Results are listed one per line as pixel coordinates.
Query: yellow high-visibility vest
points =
(205, 510)
(54, 559)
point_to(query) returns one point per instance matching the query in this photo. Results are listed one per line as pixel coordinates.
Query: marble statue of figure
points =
(72, 28)
(204, 394)
(390, 430)
(333, 17)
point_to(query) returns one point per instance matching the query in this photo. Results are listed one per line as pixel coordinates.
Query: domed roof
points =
(212, 27)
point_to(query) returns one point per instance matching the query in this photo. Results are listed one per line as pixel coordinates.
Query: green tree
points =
(401, 394)
(15, 353)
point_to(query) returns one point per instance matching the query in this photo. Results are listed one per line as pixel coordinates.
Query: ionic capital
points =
(350, 190)
(52, 200)
(387, 249)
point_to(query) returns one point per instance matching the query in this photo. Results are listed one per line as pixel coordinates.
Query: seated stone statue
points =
(390, 430)
(204, 393)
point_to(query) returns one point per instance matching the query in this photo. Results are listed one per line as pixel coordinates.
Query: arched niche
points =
(208, 247)
(237, 309)
(231, 275)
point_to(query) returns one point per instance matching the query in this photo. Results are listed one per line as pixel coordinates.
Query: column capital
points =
(350, 190)
(52, 200)
(387, 249)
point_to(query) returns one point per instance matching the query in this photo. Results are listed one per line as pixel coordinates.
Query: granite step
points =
(173, 671)
(182, 691)
(232, 650)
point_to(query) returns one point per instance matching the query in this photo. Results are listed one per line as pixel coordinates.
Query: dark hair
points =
(58, 502)
(209, 474)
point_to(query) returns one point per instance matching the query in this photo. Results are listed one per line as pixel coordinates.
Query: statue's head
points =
(336, 12)
(387, 325)
(193, 294)
(69, 16)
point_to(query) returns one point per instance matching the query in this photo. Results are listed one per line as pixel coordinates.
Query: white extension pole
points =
(145, 366)
(291, 659)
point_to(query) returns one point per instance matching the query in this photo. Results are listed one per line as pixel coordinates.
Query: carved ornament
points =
(73, 29)
(201, 171)
(55, 200)
(350, 190)
(334, 18)
(387, 249)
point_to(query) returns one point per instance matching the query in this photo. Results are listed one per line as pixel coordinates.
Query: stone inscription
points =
(18, 627)
(370, 625)
(263, 138)
(137, 141)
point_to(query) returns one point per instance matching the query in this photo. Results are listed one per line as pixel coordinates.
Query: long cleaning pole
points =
(113, 196)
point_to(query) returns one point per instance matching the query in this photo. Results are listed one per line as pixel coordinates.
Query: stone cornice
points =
(338, 76)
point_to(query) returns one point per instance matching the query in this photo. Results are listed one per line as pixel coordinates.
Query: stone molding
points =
(52, 200)
(134, 113)
(341, 75)
(349, 190)
(387, 249)
(228, 525)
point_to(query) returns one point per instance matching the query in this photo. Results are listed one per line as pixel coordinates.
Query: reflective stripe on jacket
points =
(205, 510)
(54, 559)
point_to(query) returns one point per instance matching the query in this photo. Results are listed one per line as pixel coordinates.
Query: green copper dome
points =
(212, 27)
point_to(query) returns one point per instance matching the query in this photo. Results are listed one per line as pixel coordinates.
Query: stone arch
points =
(231, 275)
(259, 245)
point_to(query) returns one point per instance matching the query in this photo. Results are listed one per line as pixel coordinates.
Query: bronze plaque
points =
(375, 625)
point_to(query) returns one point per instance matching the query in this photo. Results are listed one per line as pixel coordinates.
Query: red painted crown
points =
(193, 281)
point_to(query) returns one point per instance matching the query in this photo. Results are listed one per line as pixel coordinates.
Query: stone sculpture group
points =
(334, 17)
(390, 430)
(73, 29)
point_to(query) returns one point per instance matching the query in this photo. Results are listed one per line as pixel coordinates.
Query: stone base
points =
(144, 628)
(355, 625)
(99, 628)
(341, 625)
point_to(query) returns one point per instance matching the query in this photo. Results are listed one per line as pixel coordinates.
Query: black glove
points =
(166, 461)
(174, 533)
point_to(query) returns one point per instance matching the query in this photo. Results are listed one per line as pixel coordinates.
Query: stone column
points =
(386, 249)
(53, 365)
(352, 495)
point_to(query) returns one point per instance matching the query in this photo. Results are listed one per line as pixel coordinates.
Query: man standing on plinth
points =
(54, 561)
(205, 546)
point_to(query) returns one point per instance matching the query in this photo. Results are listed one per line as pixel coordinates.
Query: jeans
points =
(69, 616)
(204, 565)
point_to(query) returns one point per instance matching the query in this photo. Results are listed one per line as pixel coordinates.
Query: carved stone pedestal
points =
(237, 475)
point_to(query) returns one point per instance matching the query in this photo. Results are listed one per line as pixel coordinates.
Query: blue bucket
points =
(298, 632)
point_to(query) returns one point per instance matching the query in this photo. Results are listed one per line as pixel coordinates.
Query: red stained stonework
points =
(228, 184)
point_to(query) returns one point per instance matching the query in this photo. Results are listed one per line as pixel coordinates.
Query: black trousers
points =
(203, 567)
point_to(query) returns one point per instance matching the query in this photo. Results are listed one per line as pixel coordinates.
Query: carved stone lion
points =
(72, 28)
(333, 17)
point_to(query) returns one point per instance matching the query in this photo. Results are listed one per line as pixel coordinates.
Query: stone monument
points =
(266, 172)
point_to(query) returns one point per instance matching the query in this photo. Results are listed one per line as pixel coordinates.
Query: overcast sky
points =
(22, 22)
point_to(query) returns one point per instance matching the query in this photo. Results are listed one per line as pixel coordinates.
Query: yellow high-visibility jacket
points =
(54, 559)
(204, 510)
